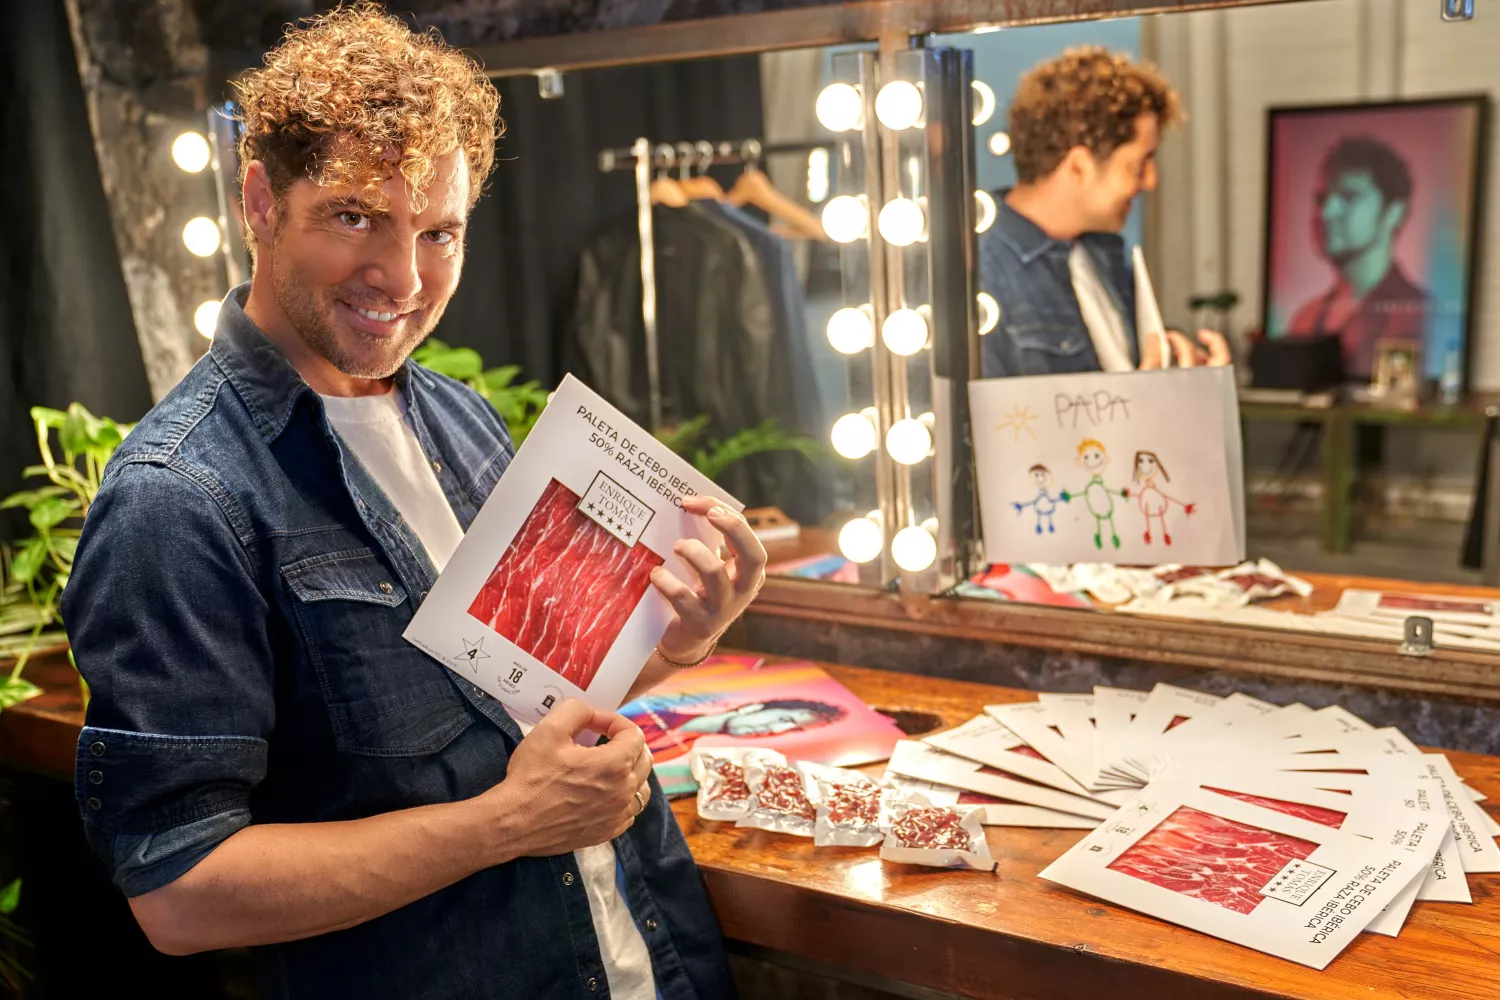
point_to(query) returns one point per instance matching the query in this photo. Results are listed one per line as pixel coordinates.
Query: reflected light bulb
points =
(190, 152)
(930, 526)
(984, 205)
(898, 105)
(845, 218)
(851, 330)
(1000, 143)
(901, 222)
(206, 317)
(908, 441)
(201, 235)
(853, 435)
(989, 312)
(914, 549)
(984, 102)
(860, 540)
(904, 332)
(839, 107)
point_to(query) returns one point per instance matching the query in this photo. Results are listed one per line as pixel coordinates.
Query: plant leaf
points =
(52, 511)
(66, 548)
(28, 562)
(13, 691)
(10, 896)
(74, 434)
(47, 417)
(30, 499)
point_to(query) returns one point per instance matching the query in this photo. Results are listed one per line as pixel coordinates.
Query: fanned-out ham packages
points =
(549, 595)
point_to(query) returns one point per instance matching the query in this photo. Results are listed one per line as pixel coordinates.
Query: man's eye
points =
(441, 237)
(355, 220)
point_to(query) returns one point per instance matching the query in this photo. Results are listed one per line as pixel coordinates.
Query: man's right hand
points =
(558, 796)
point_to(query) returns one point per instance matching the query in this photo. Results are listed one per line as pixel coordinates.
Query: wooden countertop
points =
(1011, 935)
(994, 936)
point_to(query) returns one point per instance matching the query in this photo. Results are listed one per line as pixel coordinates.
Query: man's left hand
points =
(1210, 349)
(725, 586)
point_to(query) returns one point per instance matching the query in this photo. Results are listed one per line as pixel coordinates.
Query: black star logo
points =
(473, 653)
(627, 534)
(593, 508)
(610, 521)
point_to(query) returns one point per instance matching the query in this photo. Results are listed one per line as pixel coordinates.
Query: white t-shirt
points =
(377, 430)
(1100, 314)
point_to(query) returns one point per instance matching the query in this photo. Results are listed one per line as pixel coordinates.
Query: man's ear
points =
(1395, 215)
(260, 203)
(1080, 165)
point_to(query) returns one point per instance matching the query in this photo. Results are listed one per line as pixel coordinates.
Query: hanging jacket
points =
(723, 339)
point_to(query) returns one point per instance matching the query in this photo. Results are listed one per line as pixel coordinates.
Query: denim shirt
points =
(237, 606)
(1041, 329)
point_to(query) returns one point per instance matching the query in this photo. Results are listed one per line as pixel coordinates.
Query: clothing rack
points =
(643, 157)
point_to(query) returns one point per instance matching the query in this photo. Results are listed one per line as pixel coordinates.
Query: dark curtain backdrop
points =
(547, 199)
(65, 327)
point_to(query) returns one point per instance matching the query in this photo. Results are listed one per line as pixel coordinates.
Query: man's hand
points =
(1214, 350)
(558, 796)
(724, 590)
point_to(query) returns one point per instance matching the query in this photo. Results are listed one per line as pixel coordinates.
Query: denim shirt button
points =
(94, 803)
(478, 693)
(593, 983)
(97, 749)
(567, 878)
(650, 925)
(96, 777)
(422, 596)
(437, 466)
(385, 587)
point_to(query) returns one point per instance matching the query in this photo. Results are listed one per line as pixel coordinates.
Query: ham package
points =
(549, 595)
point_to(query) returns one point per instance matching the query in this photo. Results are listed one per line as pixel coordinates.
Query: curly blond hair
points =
(353, 96)
(1086, 97)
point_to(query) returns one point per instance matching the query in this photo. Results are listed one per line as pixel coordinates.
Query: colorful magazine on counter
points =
(549, 595)
(793, 708)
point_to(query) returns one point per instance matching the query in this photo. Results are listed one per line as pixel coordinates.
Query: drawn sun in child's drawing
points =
(1019, 419)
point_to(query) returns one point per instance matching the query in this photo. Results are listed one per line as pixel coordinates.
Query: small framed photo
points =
(1398, 370)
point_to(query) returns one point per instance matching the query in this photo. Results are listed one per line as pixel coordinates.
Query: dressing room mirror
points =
(1330, 224)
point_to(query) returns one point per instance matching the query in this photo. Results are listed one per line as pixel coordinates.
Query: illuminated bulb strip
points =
(861, 540)
(852, 329)
(840, 107)
(898, 105)
(846, 218)
(190, 152)
(999, 143)
(908, 441)
(201, 236)
(902, 222)
(914, 549)
(989, 312)
(206, 317)
(905, 332)
(854, 435)
(985, 210)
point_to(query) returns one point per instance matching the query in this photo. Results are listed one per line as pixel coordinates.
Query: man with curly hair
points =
(1084, 129)
(266, 762)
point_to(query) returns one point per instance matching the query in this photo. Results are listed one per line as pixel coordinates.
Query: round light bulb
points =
(201, 235)
(901, 222)
(984, 102)
(908, 441)
(898, 105)
(845, 218)
(206, 317)
(984, 207)
(875, 516)
(860, 540)
(851, 330)
(190, 152)
(1000, 143)
(854, 436)
(839, 107)
(914, 549)
(904, 332)
(989, 312)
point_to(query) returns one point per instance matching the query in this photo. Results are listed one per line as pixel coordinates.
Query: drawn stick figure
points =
(1153, 500)
(1044, 503)
(1099, 498)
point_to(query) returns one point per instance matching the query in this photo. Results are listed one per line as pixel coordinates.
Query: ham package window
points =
(549, 595)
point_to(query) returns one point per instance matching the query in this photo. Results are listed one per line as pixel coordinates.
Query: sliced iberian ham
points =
(565, 587)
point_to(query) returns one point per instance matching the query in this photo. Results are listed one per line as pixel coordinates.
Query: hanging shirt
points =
(1100, 314)
(377, 431)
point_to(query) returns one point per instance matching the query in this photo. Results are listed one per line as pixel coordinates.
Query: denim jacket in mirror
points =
(237, 606)
(1041, 329)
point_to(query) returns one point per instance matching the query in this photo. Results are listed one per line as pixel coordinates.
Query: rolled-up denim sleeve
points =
(168, 625)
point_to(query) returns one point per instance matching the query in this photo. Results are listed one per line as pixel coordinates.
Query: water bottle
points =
(1450, 386)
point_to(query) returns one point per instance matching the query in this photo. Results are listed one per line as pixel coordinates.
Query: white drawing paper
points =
(1128, 468)
(549, 595)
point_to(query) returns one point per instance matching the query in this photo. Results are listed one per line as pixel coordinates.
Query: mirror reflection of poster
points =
(1371, 215)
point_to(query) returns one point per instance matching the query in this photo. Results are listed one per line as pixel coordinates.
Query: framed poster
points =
(1372, 217)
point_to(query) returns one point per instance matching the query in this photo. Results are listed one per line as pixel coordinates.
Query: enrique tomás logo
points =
(615, 509)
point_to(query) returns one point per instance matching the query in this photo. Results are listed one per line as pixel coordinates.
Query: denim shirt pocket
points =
(384, 696)
(1051, 349)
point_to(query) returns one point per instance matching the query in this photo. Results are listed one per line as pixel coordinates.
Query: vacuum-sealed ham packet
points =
(941, 836)
(848, 806)
(723, 793)
(1262, 581)
(778, 798)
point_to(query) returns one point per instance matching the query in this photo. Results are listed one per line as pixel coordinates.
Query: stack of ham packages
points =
(549, 595)
(1284, 829)
(910, 822)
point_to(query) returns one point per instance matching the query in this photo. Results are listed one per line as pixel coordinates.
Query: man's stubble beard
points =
(300, 304)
